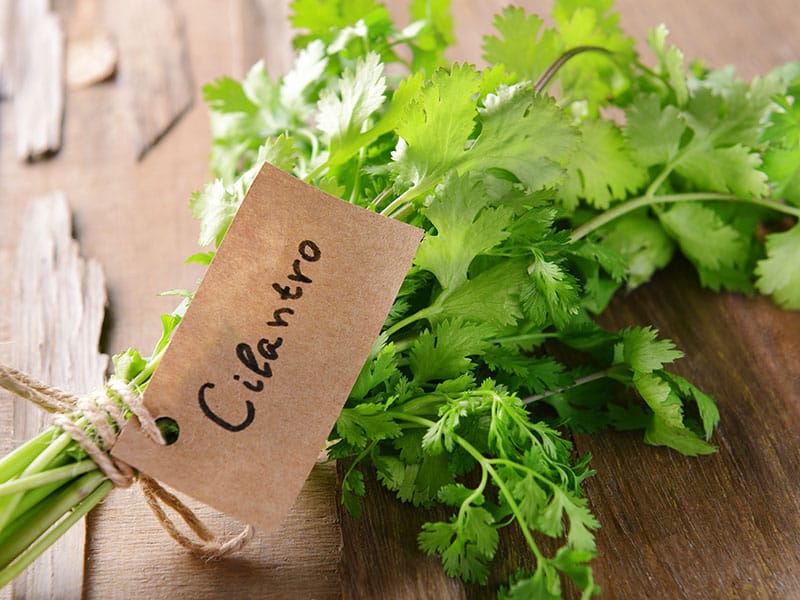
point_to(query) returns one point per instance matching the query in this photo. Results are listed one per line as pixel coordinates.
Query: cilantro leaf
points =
(704, 237)
(215, 208)
(227, 95)
(465, 227)
(308, 67)
(465, 544)
(341, 116)
(491, 297)
(782, 166)
(779, 273)
(323, 19)
(438, 123)
(435, 35)
(593, 78)
(353, 488)
(653, 133)
(523, 45)
(730, 169)
(602, 170)
(640, 350)
(664, 394)
(660, 432)
(526, 135)
(554, 295)
(670, 63)
(707, 409)
(642, 242)
(365, 422)
(443, 351)
(658, 395)
(375, 372)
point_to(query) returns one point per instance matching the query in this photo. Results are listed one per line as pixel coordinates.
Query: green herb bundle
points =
(538, 207)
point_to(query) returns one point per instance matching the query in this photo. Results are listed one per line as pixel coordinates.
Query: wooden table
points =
(725, 526)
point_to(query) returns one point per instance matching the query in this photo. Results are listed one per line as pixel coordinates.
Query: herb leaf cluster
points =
(538, 207)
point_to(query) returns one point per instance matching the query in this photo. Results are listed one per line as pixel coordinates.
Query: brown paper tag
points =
(270, 347)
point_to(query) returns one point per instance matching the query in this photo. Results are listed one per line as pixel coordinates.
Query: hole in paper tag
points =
(271, 346)
(169, 428)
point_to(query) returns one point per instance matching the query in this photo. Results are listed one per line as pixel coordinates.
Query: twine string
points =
(104, 412)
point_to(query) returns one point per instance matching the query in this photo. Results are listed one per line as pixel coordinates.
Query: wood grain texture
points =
(155, 73)
(36, 57)
(58, 308)
(263, 34)
(653, 504)
(131, 556)
(6, 64)
(723, 526)
(380, 558)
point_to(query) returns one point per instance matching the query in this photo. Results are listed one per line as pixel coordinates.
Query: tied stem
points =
(648, 200)
(78, 511)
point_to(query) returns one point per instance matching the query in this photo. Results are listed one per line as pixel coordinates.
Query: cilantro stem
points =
(8, 504)
(538, 336)
(420, 314)
(487, 467)
(402, 212)
(375, 202)
(400, 205)
(80, 508)
(648, 200)
(578, 382)
(27, 529)
(548, 75)
(476, 493)
(526, 469)
(661, 177)
(18, 460)
(68, 471)
(141, 378)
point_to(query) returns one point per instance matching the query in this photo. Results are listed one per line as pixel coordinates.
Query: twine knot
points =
(106, 415)
(105, 412)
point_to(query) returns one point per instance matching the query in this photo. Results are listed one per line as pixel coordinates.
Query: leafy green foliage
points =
(537, 208)
(524, 46)
(643, 244)
(779, 273)
(465, 227)
(528, 49)
(602, 170)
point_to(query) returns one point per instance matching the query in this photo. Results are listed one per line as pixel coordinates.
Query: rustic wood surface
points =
(155, 72)
(724, 526)
(34, 73)
(57, 314)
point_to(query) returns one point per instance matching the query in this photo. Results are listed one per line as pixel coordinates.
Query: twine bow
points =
(106, 415)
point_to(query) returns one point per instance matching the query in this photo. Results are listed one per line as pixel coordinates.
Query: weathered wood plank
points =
(721, 526)
(300, 560)
(380, 558)
(154, 73)
(37, 78)
(91, 58)
(6, 40)
(262, 27)
(58, 308)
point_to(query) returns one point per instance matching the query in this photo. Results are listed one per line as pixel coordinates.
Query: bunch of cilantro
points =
(537, 208)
